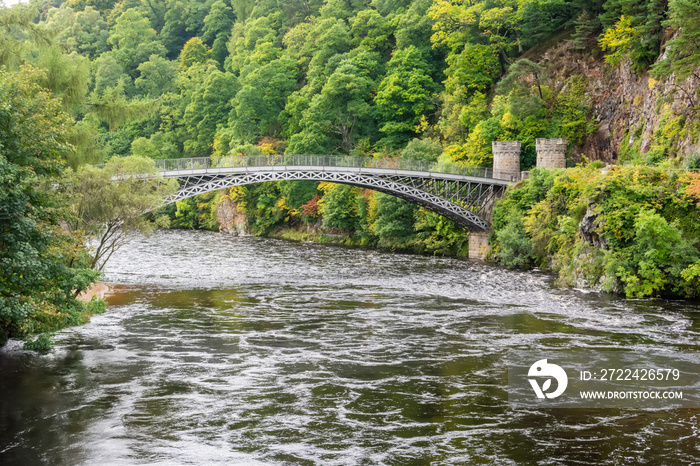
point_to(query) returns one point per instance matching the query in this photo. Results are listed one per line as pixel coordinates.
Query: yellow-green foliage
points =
(671, 128)
(617, 40)
(631, 145)
(645, 229)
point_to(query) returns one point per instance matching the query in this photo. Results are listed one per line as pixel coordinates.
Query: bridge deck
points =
(463, 194)
(178, 173)
(173, 168)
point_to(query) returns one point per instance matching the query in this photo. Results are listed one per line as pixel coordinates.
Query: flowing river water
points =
(222, 350)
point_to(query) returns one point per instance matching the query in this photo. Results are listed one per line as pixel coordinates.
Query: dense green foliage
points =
(168, 78)
(42, 267)
(630, 229)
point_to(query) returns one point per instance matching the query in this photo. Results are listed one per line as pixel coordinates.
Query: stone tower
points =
(551, 153)
(506, 160)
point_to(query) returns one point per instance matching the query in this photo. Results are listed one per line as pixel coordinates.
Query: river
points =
(222, 350)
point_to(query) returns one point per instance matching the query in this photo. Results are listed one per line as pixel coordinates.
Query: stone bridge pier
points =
(506, 160)
(479, 245)
(551, 153)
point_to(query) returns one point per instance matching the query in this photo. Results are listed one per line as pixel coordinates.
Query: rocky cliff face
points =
(231, 219)
(635, 114)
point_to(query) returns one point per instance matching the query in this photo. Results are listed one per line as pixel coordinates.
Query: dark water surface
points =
(220, 350)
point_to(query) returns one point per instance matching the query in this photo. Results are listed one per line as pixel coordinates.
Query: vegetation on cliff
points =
(631, 229)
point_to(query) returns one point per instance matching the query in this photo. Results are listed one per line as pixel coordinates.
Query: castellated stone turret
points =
(551, 153)
(506, 160)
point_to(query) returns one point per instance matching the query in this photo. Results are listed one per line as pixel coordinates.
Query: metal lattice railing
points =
(319, 161)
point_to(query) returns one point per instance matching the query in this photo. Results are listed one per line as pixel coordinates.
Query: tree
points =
(156, 76)
(342, 9)
(372, 31)
(113, 107)
(585, 25)
(84, 31)
(618, 40)
(160, 145)
(515, 246)
(541, 19)
(683, 52)
(328, 38)
(257, 105)
(393, 220)
(67, 76)
(472, 70)
(174, 33)
(42, 267)
(194, 52)
(342, 104)
(17, 29)
(521, 69)
(415, 27)
(454, 23)
(108, 72)
(469, 74)
(156, 9)
(297, 193)
(404, 95)
(423, 150)
(217, 29)
(87, 148)
(110, 202)
(653, 264)
(458, 23)
(309, 141)
(253, 45)
(440, 235)
(339, 207)
(262, 207)
(500, 25)
(634, 30)
(134, 40)
(209, 110)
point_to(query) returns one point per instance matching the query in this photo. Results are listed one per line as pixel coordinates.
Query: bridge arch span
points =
(466, 200)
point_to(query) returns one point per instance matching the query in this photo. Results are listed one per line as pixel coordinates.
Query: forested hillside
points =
(179, 78)
(419, 79)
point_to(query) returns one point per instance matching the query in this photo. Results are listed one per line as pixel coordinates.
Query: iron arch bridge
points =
(463, 194)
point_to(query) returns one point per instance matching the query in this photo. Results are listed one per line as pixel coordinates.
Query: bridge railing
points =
(319, 161)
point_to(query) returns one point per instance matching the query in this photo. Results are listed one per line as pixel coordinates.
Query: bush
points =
(424, 150)
(515, 245)
(41, 344)
(638, 237)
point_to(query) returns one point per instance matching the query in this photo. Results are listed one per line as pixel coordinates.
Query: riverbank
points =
(631, 230)
(97, 289)
(301, 236)
(345, 240)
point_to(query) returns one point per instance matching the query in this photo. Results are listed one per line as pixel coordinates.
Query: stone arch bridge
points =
(463, 194)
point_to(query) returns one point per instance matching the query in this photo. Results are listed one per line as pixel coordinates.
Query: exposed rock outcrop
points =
(630, 109)
(589, 228)
(231, 219)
